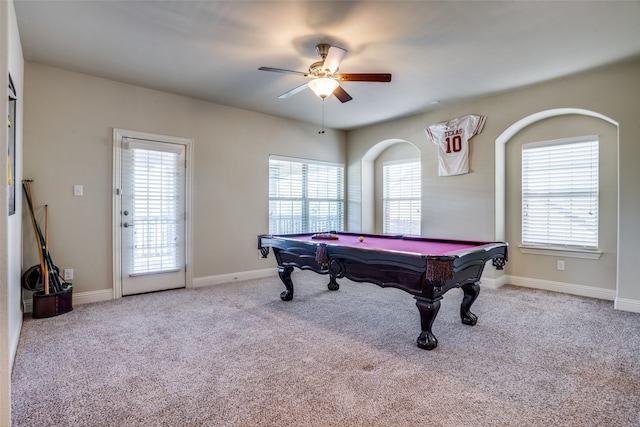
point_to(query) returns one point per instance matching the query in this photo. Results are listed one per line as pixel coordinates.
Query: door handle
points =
(127, 225)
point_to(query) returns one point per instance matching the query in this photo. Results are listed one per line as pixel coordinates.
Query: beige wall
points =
(69, 118)
(11, 61)
(5, 330)
(464, 206)
(456, 206)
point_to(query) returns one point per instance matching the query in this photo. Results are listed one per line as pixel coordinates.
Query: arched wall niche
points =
(500, 158)
(368, 181)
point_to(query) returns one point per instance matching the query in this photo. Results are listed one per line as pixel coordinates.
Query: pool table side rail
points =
(474, 245)
(306, 237)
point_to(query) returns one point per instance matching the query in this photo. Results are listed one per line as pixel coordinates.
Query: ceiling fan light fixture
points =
(323, 87)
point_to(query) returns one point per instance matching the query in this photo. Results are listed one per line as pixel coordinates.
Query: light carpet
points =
(236, 355)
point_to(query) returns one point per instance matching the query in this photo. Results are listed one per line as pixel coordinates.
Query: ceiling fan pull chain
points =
(322, 131)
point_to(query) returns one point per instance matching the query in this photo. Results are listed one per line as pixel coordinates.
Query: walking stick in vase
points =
(26, 186)
(47, 268)
(51, 281)
(45, 273)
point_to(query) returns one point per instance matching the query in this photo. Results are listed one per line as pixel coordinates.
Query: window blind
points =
(305, 196)
(560, 193)
(154, 177)
(401, 197)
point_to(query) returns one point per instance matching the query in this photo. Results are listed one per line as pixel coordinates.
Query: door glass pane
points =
(156, 211)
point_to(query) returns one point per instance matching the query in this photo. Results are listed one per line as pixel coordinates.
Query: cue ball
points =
(361, 239)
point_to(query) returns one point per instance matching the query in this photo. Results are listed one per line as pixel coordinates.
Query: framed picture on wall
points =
(11, 149)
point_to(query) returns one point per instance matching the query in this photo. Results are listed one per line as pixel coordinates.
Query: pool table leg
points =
(471, 291)
(333, 284)
(285, 276)
(336, 269)
(428, 312)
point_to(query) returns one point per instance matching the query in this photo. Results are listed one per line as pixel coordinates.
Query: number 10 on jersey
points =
(454, 144)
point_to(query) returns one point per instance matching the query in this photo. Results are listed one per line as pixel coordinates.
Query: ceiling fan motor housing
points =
(323, 50)
(316, 69)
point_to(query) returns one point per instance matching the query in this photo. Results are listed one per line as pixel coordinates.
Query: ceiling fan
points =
(325, 77)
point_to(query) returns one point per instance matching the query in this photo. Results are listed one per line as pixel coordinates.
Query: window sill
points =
(558, 251)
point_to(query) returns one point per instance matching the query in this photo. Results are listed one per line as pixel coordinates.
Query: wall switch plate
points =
(78, 190)
(68, 274)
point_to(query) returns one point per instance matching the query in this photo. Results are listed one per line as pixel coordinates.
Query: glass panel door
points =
(152, 216)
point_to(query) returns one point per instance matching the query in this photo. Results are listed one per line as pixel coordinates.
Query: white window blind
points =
(155, 178)
(401, 197)
(305, 196)
(560, 193)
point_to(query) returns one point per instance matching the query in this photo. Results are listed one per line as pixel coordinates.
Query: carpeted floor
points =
(236, 355)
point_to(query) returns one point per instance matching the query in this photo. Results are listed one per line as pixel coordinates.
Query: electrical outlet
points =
(68, 274)
(560, 264)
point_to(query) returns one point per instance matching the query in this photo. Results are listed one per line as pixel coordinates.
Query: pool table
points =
(423, 267)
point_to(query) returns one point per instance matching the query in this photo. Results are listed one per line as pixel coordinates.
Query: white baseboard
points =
(567, 288)
(107, 294)
(233, 277)
(488, 282)
(92, 296)
(625, 304)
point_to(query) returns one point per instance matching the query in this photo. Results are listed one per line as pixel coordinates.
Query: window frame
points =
(412, 198)
(306, 200)
(574, 248)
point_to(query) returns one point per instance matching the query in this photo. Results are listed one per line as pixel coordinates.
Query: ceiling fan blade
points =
(366, 77)
(280, 70)
(333, 59)
(342, 95)
(294, 91)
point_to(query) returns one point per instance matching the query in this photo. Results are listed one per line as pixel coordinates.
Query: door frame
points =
(118, 134)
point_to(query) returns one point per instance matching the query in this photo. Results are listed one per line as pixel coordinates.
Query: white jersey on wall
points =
(452, 139)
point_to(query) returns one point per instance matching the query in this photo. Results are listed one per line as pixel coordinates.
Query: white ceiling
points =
(446, 51)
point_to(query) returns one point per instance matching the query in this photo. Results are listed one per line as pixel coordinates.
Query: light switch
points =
(78, 190)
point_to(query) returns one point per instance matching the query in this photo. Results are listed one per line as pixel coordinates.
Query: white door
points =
(152, 215)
